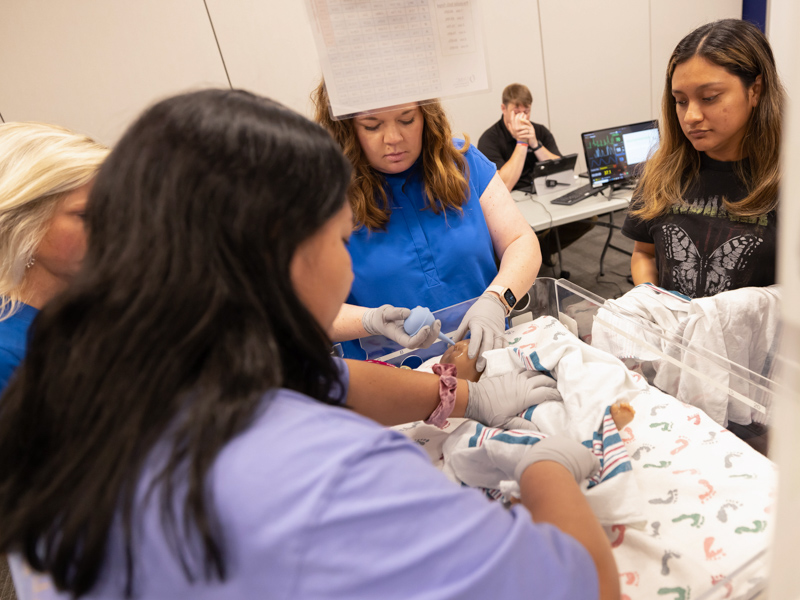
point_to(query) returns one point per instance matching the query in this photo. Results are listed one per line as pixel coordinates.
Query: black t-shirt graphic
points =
(701, 249)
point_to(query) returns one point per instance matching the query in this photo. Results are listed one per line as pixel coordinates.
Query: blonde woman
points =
(704, 214)
(430, 214)
(45, 176)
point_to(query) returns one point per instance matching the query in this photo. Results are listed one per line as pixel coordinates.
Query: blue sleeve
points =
(420, 535)
(481, 169)
(8, 364)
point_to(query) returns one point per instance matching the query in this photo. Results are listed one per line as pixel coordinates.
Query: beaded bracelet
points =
(447, 395)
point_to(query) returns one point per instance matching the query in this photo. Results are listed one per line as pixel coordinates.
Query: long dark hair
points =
(182, 318)
(741, 49)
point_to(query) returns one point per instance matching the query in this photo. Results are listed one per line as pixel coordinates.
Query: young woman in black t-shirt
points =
(704, 213)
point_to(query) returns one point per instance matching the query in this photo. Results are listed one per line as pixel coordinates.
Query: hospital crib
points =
(697, 377)
(700, 371)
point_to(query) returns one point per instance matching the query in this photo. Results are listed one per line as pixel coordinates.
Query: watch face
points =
(510, 299)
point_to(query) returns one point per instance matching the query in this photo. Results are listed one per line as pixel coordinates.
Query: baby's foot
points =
(622, 413)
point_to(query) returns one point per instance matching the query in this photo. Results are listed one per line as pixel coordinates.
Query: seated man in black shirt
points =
(515, 145)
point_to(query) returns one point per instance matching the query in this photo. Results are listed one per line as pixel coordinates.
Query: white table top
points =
(541, 214)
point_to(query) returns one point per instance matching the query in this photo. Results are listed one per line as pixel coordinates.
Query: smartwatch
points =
(507, 297)
(537, 148)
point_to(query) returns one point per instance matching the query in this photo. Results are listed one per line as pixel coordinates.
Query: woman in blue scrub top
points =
(177, 429)
(45, 176)
(430, 216)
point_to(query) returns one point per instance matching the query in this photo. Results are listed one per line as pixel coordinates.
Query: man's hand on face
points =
(522, 130)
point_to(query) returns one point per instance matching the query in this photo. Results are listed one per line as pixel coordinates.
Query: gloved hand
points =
(387, 320)
(577, 458)
(495, 401)
(486, 322)
(493, 459)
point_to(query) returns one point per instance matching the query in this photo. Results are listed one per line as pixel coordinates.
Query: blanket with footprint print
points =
(705, 496)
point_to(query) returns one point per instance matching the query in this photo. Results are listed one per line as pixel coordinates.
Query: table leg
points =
(608, 244)
(608, 241)
(562, 273)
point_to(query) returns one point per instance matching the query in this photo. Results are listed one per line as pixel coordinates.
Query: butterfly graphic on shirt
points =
(713, 272)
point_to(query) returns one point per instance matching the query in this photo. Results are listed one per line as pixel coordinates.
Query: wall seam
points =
(650, 42)
(544, 63)
(216, 40)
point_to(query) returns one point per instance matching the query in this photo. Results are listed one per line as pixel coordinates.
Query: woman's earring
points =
(30, 262)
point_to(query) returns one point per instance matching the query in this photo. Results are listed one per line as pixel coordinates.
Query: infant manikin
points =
(457, 355)
(621, 412)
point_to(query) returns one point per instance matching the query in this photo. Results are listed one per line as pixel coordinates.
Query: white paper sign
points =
(380, 53)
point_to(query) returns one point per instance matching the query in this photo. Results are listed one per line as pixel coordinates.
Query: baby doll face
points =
(457, 355)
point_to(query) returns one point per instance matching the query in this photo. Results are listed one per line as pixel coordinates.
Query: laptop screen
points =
(614, 154)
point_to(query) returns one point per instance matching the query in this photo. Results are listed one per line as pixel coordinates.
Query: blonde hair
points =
(445, 170)
(741, 49)
(39, 165)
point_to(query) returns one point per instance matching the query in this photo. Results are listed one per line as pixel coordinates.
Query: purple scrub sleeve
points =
(317, 502)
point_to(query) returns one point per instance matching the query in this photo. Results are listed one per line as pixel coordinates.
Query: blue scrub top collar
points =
(407, 174)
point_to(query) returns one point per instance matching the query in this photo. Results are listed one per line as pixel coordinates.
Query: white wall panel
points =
(597, 64)
(783, 19)
(268, 48)
(670, 22)
(93, 65)
(513, 55)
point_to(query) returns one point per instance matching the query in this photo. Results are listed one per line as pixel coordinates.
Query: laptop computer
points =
(618, 153)
(551, 174)
(613, 155)
(545, 168)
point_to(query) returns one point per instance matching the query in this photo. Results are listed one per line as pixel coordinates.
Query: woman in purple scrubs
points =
(180, 430)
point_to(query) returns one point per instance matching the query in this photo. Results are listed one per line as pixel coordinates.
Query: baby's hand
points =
(622, 413)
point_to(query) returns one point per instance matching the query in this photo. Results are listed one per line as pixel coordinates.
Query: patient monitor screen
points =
(614, 154)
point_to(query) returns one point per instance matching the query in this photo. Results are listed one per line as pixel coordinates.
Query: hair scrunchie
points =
(447, 394)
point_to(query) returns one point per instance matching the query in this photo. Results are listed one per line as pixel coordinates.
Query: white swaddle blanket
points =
(740, 326)
(589, 381)
(646, 304)
(707, 495)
